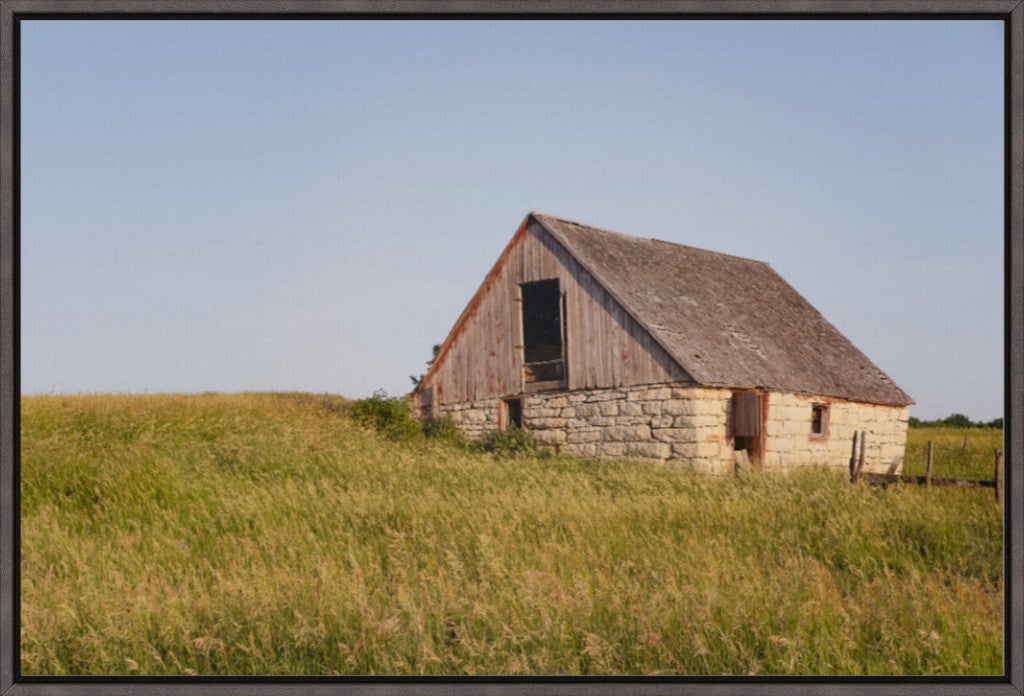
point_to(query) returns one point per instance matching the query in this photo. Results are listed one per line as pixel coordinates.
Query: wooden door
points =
(748, 409)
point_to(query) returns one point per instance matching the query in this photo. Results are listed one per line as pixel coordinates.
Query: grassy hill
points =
(269, 534)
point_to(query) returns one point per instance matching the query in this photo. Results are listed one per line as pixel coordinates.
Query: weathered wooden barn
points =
(603, 345)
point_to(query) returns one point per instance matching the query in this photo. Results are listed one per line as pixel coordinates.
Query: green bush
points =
(443, 428)
(508, 443)
(391, 416)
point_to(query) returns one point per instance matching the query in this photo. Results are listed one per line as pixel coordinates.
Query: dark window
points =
(542, 325)
(819, 420)
(513, 413)
(543, 357)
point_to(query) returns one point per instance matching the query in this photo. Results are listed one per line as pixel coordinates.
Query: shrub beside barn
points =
(606, 345)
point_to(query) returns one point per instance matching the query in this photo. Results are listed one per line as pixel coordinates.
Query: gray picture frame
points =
(1010, 12)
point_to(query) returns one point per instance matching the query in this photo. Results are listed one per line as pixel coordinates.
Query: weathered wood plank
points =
(928, 469)
(998, 475)
(876, 478)
(853, 458)
(860, 462)
(745, 414)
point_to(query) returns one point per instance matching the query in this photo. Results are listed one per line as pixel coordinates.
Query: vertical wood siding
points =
(604, 346)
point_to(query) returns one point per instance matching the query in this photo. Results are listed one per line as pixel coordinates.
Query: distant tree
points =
(957, 420)
(416, 380)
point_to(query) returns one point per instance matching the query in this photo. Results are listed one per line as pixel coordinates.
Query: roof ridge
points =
(605, 230)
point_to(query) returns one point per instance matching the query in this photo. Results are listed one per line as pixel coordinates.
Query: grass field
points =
(268, 534)
(958, 453)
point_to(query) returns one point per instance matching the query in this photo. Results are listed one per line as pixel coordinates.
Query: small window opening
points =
(819, 420)
(543, 355)
(513, 413)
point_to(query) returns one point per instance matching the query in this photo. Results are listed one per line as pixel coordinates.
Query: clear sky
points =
(308, 206)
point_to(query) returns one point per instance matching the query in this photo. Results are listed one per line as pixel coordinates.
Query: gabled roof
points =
(727, 321)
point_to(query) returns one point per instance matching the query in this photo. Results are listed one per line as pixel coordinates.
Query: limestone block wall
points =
(668, 422)
(789, 442)
(474, 418)
(691, 426)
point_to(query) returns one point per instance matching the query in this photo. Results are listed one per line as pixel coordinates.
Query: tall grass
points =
(270, 534)
(958, 452)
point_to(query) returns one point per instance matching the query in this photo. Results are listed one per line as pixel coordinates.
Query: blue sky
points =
(309, 205)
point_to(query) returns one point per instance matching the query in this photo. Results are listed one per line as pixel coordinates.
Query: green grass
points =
(958, 452)
(269, 534)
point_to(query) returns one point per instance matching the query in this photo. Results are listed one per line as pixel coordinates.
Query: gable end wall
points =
(605, 347)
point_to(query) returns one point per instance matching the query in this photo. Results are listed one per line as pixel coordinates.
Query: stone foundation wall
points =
(682, 423)
(474, 418)
(691, 426)
(789, 441)
(677, 422)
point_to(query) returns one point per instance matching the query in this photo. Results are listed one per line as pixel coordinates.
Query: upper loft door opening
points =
(543, 316)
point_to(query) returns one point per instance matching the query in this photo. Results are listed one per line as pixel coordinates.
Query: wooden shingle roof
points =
(728, 321)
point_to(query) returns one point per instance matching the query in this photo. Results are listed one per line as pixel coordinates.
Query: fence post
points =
(998, 478)
(860, 462)
(928, 469)
(853, 459)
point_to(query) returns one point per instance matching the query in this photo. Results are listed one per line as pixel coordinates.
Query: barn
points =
(606, 345)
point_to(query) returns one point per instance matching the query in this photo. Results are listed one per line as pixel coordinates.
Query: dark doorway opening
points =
(746, 423)
(513, 413)
(543, 335)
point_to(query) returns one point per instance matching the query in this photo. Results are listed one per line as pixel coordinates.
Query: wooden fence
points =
(890, 476)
